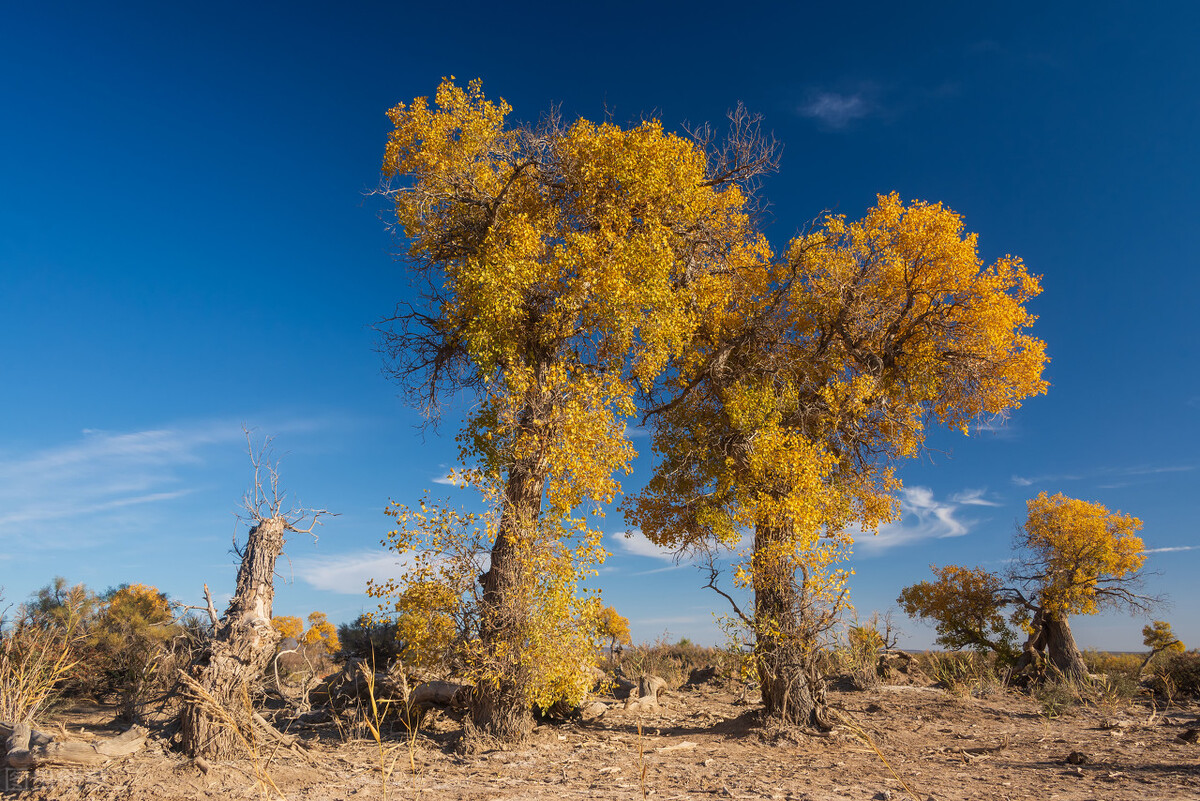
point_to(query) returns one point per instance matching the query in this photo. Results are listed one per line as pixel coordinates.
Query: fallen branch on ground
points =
(27, 748)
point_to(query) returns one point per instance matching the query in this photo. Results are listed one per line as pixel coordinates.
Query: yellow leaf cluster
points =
(1081, 552)
(574, 261)
(137, 605)
(288, 626)
(322, 632)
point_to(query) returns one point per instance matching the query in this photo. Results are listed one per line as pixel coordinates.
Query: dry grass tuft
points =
(35, 659)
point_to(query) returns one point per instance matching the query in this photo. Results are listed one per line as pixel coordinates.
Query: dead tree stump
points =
(217, 717)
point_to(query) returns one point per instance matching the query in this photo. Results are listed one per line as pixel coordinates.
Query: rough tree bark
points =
(1051, 635)
(240, 650)
(216, 718)
(785, 647)
(499, 707)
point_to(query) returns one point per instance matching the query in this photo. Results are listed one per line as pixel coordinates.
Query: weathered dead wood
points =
(35, 737)
(649, 688)
(442, 694)
(27, 748)
(216, 718)
(976, 752)
(289, 741)
(17, 746)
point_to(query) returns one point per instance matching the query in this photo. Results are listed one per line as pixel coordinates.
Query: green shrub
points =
(371, 640)
(1056, 697)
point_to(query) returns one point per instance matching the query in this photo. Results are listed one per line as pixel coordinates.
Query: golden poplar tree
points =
(786, 415)
(560, 267)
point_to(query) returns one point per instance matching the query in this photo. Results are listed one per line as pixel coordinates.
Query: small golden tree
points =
(1159, 638)
(289, 627)
(614, 628)
(322, 633)
(129, 641)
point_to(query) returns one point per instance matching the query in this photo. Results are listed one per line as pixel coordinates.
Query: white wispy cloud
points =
(835, 109)
(348, 573)
(105, 482)
(666, 569)
(94, 482)
(1026, 481)
(1173, 549)
(455, 477)
(636, 543)
(922, 517)
(1111, 475)
(973, 497)
(635, 432)
(998, 428)
(1145, 470)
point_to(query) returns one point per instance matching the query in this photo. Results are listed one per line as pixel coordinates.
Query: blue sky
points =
(187, 246)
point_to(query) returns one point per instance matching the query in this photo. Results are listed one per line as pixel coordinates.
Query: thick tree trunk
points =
(216, 715)
(785, 647)
(1061, 648)
(1051, 636)
(499, 708)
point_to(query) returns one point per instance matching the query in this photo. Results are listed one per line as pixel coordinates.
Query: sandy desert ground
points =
(703, 742)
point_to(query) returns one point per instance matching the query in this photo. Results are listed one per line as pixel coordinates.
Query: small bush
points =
(38, 653)
(964, 672)
(1176, 675)
(1116, 689)
(374, 641)
(1056, 697)
(672, 661)
(1109, 663)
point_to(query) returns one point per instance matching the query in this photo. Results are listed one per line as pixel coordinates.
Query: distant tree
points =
(369, 639)
(1074, 558)
(51, 605)
(1077, 558)
(322, 633)
(1159, 638)
(289, 627)
(615, 628)
(967, 606)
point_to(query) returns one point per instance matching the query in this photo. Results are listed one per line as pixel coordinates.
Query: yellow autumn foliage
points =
(1081, 555)
(563, 266)
(321, 632)
(288, 626)
(822, 369)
